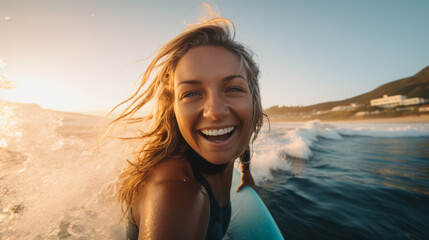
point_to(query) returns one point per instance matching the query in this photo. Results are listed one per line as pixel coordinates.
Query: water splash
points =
(55, 185)
(3, 63)
(4, 83)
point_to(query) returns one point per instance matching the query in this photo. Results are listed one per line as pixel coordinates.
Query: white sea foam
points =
(265, 157)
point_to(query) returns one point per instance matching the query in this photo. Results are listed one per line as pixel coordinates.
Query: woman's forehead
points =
(208, 62)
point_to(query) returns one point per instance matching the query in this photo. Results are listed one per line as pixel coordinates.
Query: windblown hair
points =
(163, 138)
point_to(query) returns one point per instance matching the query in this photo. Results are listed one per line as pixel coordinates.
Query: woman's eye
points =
(190, 94)
(234, 89)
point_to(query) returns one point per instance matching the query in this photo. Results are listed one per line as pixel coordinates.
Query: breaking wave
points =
(288, 145)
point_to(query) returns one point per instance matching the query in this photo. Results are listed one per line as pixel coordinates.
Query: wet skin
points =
(213, 103)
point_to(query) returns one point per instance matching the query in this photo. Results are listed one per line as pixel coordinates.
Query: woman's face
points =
(213, 103)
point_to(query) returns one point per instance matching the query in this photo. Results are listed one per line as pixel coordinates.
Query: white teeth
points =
(217, 132)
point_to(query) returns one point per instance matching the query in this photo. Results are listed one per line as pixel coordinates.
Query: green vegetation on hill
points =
(414, 86)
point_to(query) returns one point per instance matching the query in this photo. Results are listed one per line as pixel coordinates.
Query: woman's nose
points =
(215, 107)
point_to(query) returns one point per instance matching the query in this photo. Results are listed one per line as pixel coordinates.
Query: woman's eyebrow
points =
(192, 82)
(196, 82)
(229, 78)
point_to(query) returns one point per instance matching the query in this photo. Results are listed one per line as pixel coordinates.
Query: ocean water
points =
(319, 180)
(346, 181)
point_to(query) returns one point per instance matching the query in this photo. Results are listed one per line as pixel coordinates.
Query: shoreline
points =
(406, 119)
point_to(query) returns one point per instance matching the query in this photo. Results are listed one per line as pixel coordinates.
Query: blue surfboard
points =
(250, 218)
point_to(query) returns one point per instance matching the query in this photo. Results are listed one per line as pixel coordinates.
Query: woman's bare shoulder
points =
(173, 199)
(171, 169)
(171, 174)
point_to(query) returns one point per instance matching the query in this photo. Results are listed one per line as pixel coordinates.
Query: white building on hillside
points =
(388, 101)
(397, 100)
(412, 101)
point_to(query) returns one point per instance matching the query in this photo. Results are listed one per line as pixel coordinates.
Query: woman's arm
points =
(172, 209)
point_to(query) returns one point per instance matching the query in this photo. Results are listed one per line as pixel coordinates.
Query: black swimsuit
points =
(219, 217)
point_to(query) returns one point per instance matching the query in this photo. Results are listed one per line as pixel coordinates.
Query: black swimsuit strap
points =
(219, 217)
(193, 160)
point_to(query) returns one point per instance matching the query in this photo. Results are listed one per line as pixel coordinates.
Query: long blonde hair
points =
(163, 138)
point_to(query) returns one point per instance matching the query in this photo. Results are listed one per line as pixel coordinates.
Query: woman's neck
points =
(206, 166)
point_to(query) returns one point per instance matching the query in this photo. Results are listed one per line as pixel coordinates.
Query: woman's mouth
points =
(217, 135)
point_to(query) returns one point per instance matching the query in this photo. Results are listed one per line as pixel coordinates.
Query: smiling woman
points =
(207, 109)
(214, 112)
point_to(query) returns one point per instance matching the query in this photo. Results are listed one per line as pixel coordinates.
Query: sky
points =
(85, 55)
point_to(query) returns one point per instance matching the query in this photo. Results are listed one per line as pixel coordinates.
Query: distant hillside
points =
(414, 86)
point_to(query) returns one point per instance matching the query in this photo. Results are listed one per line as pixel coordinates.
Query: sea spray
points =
(9, 131)
(55, 186)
